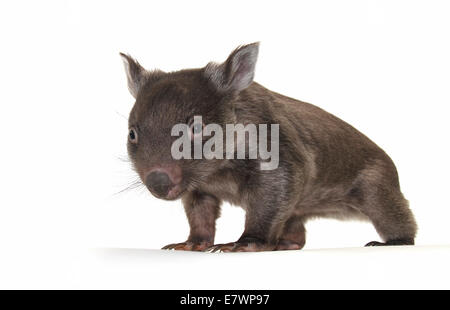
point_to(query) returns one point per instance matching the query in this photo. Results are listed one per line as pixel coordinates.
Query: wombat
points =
(326, 167)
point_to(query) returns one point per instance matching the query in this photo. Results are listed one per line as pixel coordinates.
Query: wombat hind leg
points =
(392, 218)
(380, 199)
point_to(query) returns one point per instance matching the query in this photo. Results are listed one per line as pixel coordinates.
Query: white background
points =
(382, 66)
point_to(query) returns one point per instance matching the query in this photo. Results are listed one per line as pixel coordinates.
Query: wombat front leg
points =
(263, 226)
(292, 238)
(294, 235)
(202, 210)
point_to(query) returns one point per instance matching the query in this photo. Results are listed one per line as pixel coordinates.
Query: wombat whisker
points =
(124, 159)
(121, 115)
(135, 184)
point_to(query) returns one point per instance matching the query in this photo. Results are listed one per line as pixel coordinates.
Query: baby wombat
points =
(325, 167)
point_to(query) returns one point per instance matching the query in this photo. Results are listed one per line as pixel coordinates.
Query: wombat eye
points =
(132, 136)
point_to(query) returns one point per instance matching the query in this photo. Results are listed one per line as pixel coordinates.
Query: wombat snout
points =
(164, 182)
(159, 183)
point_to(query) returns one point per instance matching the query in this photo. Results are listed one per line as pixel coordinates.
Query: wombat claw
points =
(186, 246)
(223, 247)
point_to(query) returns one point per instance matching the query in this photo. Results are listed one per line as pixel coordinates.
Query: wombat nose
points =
(159, 183)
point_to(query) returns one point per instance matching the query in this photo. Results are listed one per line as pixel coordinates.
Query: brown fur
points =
(327, 168)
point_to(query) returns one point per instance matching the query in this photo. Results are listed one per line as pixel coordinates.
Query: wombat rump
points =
(326, 168)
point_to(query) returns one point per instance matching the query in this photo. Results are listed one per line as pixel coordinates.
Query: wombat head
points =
(166, 99)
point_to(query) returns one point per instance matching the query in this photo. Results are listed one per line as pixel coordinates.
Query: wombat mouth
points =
(173, 193)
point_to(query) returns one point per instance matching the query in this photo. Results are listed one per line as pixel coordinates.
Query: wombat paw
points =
(375, 243)
(188, 246)
(240, 247)
(406, 241)
(284, 245)
(223, 247)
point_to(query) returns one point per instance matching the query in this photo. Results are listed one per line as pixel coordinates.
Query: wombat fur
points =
(326, 168)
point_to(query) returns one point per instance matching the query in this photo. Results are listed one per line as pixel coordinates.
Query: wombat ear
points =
(136, 74)
(237, 72)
